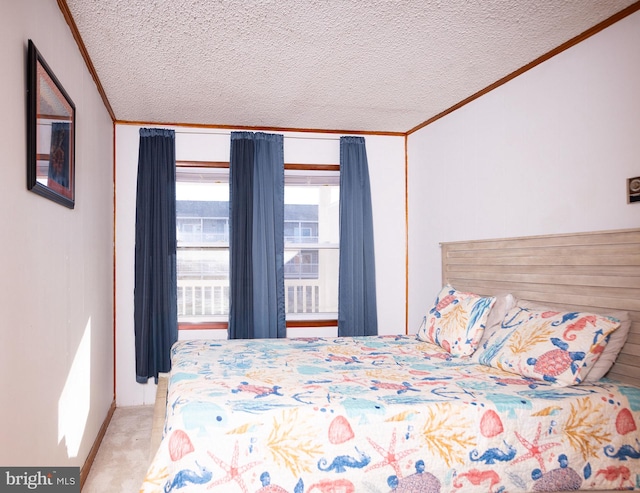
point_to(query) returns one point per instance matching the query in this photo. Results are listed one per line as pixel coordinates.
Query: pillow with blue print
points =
(615, 342)
(556, 347)
(456, 320)
(504, 303)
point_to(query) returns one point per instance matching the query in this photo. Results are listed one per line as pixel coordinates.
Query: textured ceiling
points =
(371, 65)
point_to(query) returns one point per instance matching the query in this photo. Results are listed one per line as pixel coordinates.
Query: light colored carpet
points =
(123, 457)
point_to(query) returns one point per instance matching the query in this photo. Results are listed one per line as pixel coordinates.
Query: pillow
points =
(617, 339)
(556, 347)
(504, 303)
(456, 321)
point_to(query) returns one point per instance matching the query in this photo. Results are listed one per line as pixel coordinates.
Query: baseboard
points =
(84, 471)
(159, 413)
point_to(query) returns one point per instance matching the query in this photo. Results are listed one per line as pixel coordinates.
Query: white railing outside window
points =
(207, 299)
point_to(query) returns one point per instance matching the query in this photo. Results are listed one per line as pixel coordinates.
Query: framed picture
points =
(51, 130)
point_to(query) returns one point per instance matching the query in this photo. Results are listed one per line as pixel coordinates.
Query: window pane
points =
(202, 225)
(311, 219)
(203, 284)
(311, 283)
(202, 206)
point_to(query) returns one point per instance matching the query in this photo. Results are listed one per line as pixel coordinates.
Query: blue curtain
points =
(357, 312)
(256, 241)
(155, 291)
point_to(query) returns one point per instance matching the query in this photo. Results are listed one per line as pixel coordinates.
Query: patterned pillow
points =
(557, 347)
(504, 303)
(456, 321)
(614, 345)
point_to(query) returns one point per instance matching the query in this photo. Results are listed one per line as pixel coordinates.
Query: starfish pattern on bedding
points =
(535, 450)
(389, 456)
(234, 473)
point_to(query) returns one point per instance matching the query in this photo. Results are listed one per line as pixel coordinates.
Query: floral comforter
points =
(380, 414)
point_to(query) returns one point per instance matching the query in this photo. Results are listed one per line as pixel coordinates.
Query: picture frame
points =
(51, 122)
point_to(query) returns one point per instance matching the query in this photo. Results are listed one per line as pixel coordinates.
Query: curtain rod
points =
(229, 134)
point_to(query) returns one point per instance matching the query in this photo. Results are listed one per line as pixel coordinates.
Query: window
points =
(311, 243)
(202, 226)
(311, 238)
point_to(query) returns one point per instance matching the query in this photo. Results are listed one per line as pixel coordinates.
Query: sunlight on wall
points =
(73, 406)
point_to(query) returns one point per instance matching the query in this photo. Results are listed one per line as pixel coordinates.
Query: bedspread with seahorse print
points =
(383, 414)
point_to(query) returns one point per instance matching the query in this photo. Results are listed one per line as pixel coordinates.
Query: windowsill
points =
(203, 325)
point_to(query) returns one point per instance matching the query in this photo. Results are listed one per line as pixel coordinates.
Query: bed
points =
(434, 412)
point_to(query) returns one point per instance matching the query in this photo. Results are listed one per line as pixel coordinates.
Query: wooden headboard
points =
(598, 272)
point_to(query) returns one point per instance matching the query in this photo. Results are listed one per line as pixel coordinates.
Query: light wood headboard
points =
(598, 272)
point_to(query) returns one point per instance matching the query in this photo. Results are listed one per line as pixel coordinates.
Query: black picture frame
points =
(51, 130)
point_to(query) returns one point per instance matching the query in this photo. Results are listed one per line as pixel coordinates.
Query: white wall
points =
(56, 286)
(387, 175)
(548, 152)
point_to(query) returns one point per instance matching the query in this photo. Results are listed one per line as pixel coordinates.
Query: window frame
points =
(305, 323)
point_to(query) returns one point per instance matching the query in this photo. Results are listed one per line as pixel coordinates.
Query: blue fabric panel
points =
(241, 235)
(155, 290)
(357, 309)
(268, 237)
(257, 236)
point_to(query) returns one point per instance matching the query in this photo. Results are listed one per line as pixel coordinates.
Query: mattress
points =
(383, 413)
